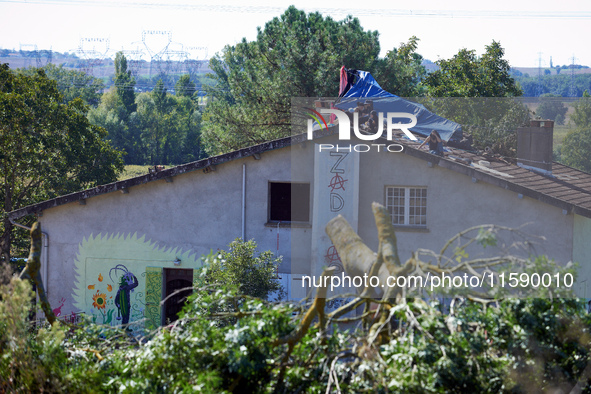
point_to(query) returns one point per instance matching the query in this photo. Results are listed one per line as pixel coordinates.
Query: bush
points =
(254, 275)
(227, 340)
(520, 345)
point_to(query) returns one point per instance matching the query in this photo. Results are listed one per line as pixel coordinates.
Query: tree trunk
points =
(5, 241)
(6, 238)
(33, 271)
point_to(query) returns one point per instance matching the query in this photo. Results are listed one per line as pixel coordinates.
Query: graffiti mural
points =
(58, 311)
(110, 284)
(336, 192)
(127, 284)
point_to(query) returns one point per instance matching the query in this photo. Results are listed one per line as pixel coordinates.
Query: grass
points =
(559, 133)
(133, 170)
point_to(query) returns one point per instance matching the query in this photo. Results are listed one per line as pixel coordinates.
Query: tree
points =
(477, 92)
(551, 107)
(160, 97)
(165, 137)
(47, 148)
(164, 129)
(466, 75)
(295, 55)
(559, 84)
(123, 131)
(253, 275)
(72, 84)
(125, 83)
(402, 71)
(184, 86)
(576, 146)
(188, 124)
(582, 111)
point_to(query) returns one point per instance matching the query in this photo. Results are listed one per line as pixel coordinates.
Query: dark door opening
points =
(176, 279)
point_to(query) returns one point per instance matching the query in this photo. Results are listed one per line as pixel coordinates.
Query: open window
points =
(289, 202)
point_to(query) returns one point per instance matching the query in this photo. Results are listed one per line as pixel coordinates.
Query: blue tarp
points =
(367, 87)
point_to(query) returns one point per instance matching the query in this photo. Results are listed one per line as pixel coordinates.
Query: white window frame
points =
(408, 219)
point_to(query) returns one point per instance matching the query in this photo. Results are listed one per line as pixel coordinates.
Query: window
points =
(407, 205)
(289, 202)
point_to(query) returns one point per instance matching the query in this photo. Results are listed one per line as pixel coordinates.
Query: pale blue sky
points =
(525, 28)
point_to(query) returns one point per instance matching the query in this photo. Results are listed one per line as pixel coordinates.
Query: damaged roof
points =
(566, 188)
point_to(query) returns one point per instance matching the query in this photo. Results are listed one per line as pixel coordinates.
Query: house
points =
(134, 242)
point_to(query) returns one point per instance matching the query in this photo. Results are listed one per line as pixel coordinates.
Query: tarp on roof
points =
(365, 86)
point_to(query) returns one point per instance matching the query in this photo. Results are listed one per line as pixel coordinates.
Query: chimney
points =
(534, 146)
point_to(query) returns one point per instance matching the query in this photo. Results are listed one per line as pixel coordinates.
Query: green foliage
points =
(582, 112)
(517, 345)
(164, 129)
(576, 149)
(184, 86)
(47, 148)
(254, 275)
(199, 354)
(19, 367)
(576, 146)
(295, 55)
(72, 84)
(112, 115)
(160, 98)
(559, 119)
(466, 75)
(491, 121)
(551, 107)
(125, 84)
(486, 237)
(401, 71)
(478, 91)
(562, 84)
(41, 360)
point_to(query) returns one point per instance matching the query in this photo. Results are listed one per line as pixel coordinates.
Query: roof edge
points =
(164, 174)
(282, 143)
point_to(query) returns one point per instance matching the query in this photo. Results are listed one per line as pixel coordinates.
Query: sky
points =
(530, 31)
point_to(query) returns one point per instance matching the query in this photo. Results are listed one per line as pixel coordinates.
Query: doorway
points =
(176, 279)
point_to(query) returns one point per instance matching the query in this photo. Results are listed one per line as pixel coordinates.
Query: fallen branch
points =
(32, 271)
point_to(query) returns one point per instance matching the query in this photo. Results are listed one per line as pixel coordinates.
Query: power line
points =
(572, 90)
(385, 12)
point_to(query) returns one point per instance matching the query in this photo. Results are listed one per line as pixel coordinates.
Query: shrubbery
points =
(227, 340)
(517, 346)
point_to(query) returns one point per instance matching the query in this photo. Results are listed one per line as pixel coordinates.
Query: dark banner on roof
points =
(365, 90)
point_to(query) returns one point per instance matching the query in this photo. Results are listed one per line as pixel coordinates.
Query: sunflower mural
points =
(111, 276)
(99, 305)
(99, 301)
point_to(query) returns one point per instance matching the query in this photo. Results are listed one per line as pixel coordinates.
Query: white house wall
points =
(455, 203)
(194, 214)
(201, 211)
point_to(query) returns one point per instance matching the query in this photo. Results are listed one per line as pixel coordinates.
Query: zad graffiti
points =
(336, 201)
